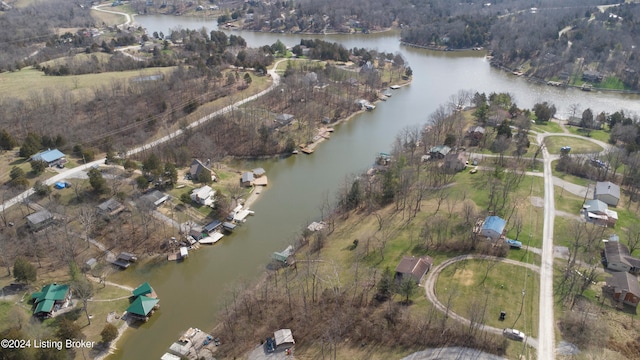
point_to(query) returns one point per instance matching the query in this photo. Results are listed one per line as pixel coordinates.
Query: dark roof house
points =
(454, 162)
(439, 152)
(246, 179)
(197, 167)
(617, 258)
(284, 119)
(413, 267)
(623, 288)
(39, 219)
(110, 207)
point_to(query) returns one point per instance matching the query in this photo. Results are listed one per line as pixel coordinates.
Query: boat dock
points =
(193, 344)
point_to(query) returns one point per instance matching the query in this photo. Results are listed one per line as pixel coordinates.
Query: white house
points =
(607, 192)
(203, 196)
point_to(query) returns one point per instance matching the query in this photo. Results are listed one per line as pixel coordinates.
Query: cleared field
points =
(481, 289)
(21, 83)
(578, 146)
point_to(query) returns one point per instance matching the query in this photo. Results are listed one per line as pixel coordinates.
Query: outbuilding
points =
(607, 192)
(493, 227)
(284, 339)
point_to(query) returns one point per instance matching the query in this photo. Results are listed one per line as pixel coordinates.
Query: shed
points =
(413, 267)
(284, 339)
(110, 207)
(607, 192)
(493, 227)
(91, 263)
(257, 172)
(617, 258)
(228, 226)
(284, 119)
(184, 252)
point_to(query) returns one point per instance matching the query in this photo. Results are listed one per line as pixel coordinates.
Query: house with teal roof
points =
(144, 289)
(51, 298)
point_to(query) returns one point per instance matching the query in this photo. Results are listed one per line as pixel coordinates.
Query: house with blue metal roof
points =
(51, 157)
(493, 227)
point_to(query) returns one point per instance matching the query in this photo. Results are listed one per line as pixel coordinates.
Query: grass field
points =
(578, 146)
(21, 83)
(568, 177)
(549, 126)
(506, 287)
(601, 135)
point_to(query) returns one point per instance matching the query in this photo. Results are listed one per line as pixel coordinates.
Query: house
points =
(142, 307)
(197, 167)
(439, 152)
(203, 196)
(598, 212)
(212, 226)
(50, 299)
(284, 339)
(124, 259)
(146, 290)
(476, 132)
(607, 192)
(454, 162)
(284, 119)
(39, 220)
(592, 76)
(246, 179)
(196, 235)
(152, 199)
(493, 227)
(413, 267)
(616, 257)
(110, 208)
(51, 157)
(623, 287)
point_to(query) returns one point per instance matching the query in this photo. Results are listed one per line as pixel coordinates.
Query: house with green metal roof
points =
(142, 307)
(51, 298)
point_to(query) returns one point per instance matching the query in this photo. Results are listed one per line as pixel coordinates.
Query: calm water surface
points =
(192, 292)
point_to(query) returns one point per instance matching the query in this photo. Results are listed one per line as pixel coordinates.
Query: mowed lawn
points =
(578, 146)
(21, 83)
(509, 288)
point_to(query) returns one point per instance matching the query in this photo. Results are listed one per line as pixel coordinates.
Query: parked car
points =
(271, 345)
(513, 334)
(514, 243)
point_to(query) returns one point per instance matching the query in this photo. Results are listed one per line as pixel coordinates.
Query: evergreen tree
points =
(7, 142)
(24, 271)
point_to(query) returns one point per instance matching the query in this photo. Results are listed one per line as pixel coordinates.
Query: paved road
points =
(432, 278)
(69, 173)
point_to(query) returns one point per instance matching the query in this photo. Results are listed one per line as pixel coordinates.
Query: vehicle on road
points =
(271, 345)
(513, 334)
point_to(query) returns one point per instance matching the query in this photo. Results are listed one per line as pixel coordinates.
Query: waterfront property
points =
(212, 226)
(203, 196)
(146, 290)
(124, 259)
(50, 299)
(144, 304)
(191, 344)
(246, 179)
(197, 168)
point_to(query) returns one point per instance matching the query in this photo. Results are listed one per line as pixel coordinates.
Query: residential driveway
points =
(259, 353)
(452, 353)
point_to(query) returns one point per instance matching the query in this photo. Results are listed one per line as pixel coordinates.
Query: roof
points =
(624, 281)
(494, 223)
(202, 192)
(607, 187)
(617, 251)
(127, 256)
(441, 149)
(283, 336)
(258, 171)
(110, 205)
(196, 167)
(53, 292)
(154, 197)
(212, 225)
(143, 289)
(39, 217)
(247, 177)
(142, 305)
(477, 129)
(284, 118)
(414, 266)
(48, 155)
(596, 206)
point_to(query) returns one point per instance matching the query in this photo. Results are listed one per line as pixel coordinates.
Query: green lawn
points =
(470, 293)
(578, 146)
(568, 177)
(601, 135)
(549, 126)
(19, 84)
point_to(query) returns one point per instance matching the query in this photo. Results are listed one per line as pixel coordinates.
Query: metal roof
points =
(48, 155)
(142, 305)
